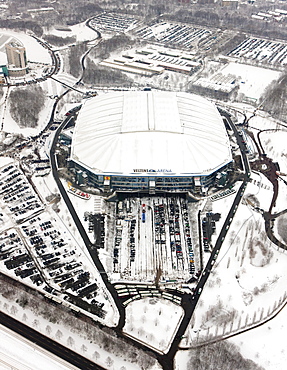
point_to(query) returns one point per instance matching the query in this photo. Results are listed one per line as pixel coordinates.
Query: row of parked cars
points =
(260, 50)
(180, 232)
(55, 257)
(167, 230)
(16, 257)
(208, 229)
(17, 194)
(38, 249)
(113, 22)
(179, 35)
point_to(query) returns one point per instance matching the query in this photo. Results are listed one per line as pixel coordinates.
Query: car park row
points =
(161, 240)
(260, 50)
(113, 22)
(33, 247)
(183, 36)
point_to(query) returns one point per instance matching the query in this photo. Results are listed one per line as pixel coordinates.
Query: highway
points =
(48, 344)
(28, 356)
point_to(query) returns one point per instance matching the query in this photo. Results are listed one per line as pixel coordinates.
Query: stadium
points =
(149, 141)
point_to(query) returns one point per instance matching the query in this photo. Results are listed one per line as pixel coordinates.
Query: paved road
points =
(48, 344)
(189, 302)
(90, 247)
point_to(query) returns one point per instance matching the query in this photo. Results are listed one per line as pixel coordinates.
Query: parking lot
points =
(113, 22)
(261, 51)
(35, 248)
(154, 235)
(17, 196)
(178, 35)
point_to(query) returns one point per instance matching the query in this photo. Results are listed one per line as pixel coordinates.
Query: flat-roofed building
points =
(150, 141)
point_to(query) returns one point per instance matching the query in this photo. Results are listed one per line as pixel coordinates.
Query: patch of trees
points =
(228, 18)
(231, 43)
(214, 94)
(200, 16)
(82, 12)
(99, 75)
(275, 97)
(218, 314)
(222, 355)
(117, 346)
(117, 42)
(281, 227)
(75, 55)
(59, 41)
(26, 104)
(22, 25)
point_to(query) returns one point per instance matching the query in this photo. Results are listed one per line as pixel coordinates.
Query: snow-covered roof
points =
(135, 132)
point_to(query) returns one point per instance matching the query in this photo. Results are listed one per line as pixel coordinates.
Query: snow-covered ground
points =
(43, 230)
(264, 345)
(153, 321)
(44, 116)
(80, 31)
(35, 52)
(84, 339)
(251, 83)
(247, 282)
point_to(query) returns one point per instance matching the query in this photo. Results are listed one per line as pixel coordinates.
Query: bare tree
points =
(96, 355)
(48, 329)
(59, 334)
(109, 361)
(70, 341)
(14, 310)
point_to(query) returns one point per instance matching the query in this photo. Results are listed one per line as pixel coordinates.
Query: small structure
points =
(3, 73)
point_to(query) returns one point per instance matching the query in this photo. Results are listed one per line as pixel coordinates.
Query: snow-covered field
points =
(153, 321)
(252, 85)
(247, 283)
(35, 52)
(69, 331)
(80, 31)
(264, 345)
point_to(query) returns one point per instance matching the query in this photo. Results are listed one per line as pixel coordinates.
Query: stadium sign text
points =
(150, 170)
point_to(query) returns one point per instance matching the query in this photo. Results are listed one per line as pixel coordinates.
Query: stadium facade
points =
(149, 141)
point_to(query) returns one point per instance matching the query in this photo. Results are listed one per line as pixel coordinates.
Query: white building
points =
(150, 141)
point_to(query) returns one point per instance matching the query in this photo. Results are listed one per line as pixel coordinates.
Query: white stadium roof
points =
(134, 132)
